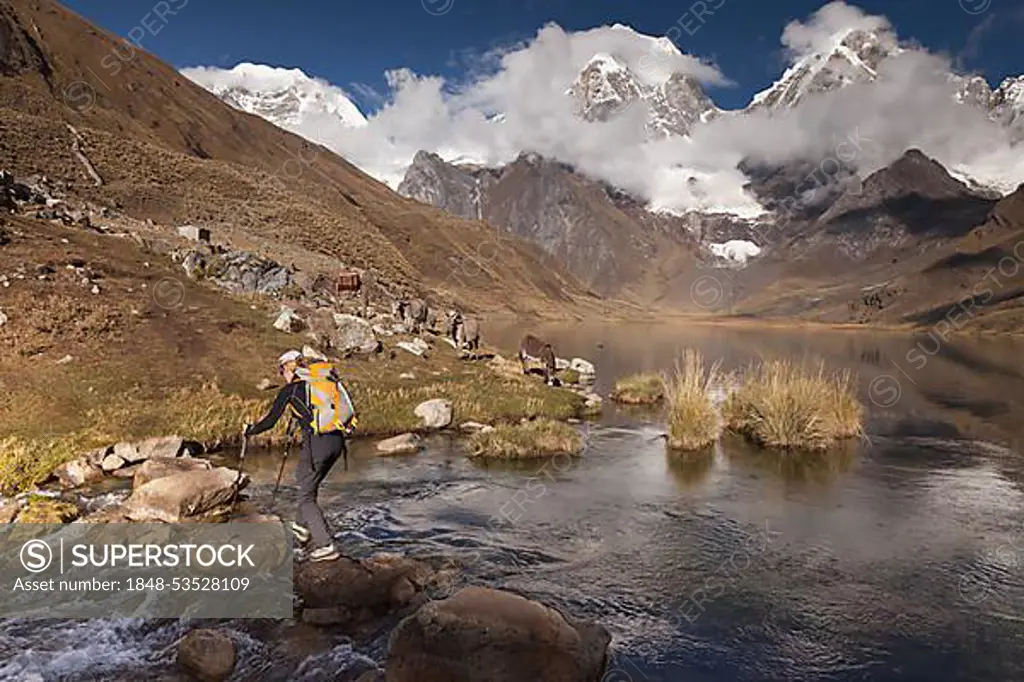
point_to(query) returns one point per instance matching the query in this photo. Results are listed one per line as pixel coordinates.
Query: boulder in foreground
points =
(484, 634)
(207, 654)
(185, 495)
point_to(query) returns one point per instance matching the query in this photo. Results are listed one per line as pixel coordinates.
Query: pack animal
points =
(467, 334)
(415, 314)
(531, 351)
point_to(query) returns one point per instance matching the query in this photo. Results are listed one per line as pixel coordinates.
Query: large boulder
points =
(348, 593)
(434, 414)
(185, 495)
(207, 654)
(405, 444)
(582, 366)
(160, 467)
(354, 335)
(484, 634)
(78, 472)
(163, 446)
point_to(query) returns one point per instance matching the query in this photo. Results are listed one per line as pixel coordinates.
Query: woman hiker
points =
(319, 453)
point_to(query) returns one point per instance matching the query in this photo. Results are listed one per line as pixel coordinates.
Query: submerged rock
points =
(435, 413)
(405, 444)
(208, 654)
(486, 634)
(348, 593)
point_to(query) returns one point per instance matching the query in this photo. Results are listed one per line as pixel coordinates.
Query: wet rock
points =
(189, 494)
(485, 634)
(160, 467)
(582, 366)
(435, 413)
(348, 593)
(353, 335)
(289, 321)
(9, 510)
(207, 654)
(78, 472)
(593, 403)
(404, 444)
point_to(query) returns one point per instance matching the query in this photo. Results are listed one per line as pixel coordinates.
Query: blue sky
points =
(355, 42)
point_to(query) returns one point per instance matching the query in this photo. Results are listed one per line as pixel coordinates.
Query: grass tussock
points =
(693, 419)
(794, 406)
(639, 389)
(538, 438)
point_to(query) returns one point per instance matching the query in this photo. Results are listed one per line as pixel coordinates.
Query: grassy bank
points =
(539, 438)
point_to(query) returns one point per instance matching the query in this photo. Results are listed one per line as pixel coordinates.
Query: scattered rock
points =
(3, 318)
(9, 510)
(417, 346)
(485, 634)
(562, 363)
(353, 334)
(473, 427)
(112, 462)
(404, 444)
(593, 403)
(208, 654)
(196, 234)
(311, 353)
(159, 467)
(189, 494)
(406, 375)
(78, 472)
(162, 446)
(265, 384)
(65, 360)
(435, 413)
(289, 321)
(582, 366)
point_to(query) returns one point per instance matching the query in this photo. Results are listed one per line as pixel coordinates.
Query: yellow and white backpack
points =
(332, 406)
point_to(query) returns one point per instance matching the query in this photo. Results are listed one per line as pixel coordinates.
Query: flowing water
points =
(900, 557)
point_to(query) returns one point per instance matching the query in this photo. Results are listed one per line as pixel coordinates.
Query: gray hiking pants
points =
(318, 455)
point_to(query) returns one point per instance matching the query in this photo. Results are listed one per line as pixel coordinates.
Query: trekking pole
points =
(280, 472)
(241, 465)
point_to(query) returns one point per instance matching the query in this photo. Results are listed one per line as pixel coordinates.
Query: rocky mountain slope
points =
(143, 141)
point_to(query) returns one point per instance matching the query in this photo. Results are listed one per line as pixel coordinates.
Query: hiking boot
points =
(302, 535)
(325, 553)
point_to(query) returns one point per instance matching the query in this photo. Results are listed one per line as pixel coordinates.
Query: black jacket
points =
(294, 395)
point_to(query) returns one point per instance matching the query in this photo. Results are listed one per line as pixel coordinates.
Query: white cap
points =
(289, 356)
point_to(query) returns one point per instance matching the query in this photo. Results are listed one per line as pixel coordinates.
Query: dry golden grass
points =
(794, 406)
(41, 509)
(538, 438)
(639, 389)
(693, 420)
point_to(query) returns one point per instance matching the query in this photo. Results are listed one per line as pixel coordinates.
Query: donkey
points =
(416, 314)
(467, 333)
(532, 349)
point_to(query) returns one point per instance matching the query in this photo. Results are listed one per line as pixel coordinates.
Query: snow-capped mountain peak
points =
(286, 97)
(852, 57)
(607, 84)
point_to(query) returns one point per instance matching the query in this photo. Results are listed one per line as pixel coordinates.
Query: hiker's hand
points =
(245, 428)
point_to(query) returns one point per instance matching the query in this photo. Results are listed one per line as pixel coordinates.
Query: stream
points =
(898, 557)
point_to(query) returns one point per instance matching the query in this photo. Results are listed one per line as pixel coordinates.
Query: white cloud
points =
(910, 105)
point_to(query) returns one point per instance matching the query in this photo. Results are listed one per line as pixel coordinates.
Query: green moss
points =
(40, 509)
(639, 389)
(539, 438)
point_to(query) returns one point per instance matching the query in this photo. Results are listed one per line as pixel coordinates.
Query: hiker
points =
(310, 396)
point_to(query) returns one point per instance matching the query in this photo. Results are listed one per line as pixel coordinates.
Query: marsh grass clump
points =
(533, 439)
(693, 419)
(645, 388)
(794, 406)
